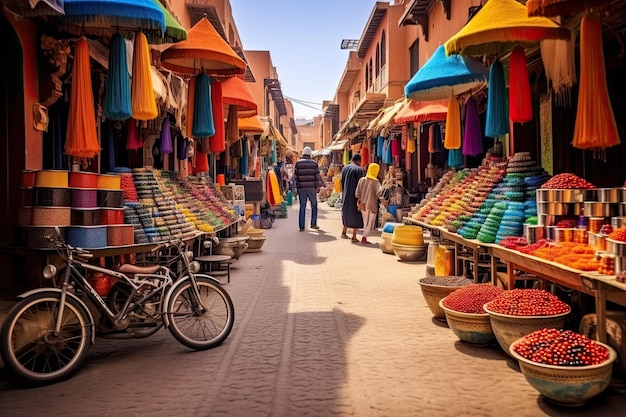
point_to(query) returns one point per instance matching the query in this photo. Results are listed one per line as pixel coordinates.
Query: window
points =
(383, 50)
(367, 77)
(414, 57)
(377, 60)
(371, 73)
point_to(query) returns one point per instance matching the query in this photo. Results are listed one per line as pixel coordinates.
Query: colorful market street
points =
(323, 327)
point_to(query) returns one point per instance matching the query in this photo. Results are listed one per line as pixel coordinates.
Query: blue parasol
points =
(444, 77)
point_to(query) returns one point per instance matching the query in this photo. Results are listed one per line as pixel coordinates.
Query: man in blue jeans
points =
(308, 182)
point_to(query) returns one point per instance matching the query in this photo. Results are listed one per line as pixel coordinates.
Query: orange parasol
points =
(250, 124)
(500, 26)
(204, 50)
(82, 141)
(422, 111)
(236, 91)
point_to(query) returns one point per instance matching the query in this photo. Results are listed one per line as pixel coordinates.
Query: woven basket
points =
(51, 216)
(83, 180)
(112, 216)
(52, 197)
(86, 217)
(24, 215)
(84, 198)
(110, 198)
(37, 237)
(28, 178)
(87, 237)
(109, 181)
(51, 179)
(120, 235)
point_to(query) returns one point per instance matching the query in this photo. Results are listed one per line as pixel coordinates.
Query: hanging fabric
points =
(437, 138)
(387, 155)
(111, 145)
(202, 113)
(365, 155)
(202, 162)
(232, 128)
(274, 156)
(191, 100)
(182, 147)
(379, 146)
(595, 126)
(142, 92)
(166, 137)
(133, 141)
(453, 125)
(395, 147)
(204, 144)
(558, 59)
(217, 142)
(473, 138)
(243, 162)
(410, 145)
(81, 138)
(455, 158)
(117, 103)
(497, 123)
(236, 149)
(520, 104)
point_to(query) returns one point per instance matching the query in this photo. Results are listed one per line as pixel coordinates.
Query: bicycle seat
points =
(135, 269)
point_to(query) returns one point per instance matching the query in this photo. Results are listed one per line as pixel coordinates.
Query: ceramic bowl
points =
(433, 294)
(469, 327)
(409, 253)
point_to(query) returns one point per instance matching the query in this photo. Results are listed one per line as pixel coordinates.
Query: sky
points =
(304, 39)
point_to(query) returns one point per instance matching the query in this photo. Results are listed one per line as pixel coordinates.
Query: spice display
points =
(562, 348)
(447, 281)
(471, 298)
(618, 234)
(527, 302)
(567, 181)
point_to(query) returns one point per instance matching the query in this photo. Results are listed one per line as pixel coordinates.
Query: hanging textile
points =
(142, 93)
(81, 138)
(410, 145)
(557, 56)
(202, 112)
(395, 147)
(387, 155)
(204, 144)
(202, 162)
(473, 138)
(274, 157)
(243, 162)
(455, 158)
(452, 139)
(497, 123)
(217, 142)
(191, 100)
(182, 147)
(111, 145)
(117, 103)
(166, 137)
(133, 141)
(232, 122)
(595, 126)
(520, 104)
(379, 146)
(236, 150)
(365, 155)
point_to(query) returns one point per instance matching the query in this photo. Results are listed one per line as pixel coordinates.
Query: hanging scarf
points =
(243, 162)
(117, 103)
(202, 112)
(166, 138)
(520, 104)
(142, 92)
(453, 125)
(217, 143)
(133, 141)
(497, 123)
(473, 140)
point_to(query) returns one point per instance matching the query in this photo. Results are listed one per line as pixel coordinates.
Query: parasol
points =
(499, 26)
(422, 111)
(174, 32)
(442, 77)
(101, 17)
(235, 91)
(250, 124)
(204, 50)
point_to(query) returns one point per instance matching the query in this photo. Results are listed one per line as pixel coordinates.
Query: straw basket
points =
(78, 179)
(51, 216)
(433, 294)
(51, 179)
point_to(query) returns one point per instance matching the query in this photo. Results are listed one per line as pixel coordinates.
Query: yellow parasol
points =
(500, 26)
(82, 141)
(250, 124)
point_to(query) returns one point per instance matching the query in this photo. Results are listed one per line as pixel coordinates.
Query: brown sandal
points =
(344, 236)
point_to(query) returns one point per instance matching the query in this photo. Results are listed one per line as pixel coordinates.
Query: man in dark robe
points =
(350, 215)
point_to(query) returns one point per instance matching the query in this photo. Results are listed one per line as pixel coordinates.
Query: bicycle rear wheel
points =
(31, 349)
(195, 327)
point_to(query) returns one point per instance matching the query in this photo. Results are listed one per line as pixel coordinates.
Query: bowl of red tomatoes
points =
(517, 312)
(565, 367)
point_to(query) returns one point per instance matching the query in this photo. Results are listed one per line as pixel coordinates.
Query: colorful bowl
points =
(470, 327)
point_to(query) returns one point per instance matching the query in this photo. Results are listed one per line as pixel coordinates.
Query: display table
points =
(605, 287)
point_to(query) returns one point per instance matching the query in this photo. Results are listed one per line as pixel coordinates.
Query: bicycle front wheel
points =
(196, 326)
(32, 349)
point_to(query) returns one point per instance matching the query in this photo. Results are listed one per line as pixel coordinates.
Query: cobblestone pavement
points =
(323, 327)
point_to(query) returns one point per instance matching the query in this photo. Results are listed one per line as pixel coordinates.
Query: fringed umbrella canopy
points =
(82, 140)
(553, 8)
(100, 17)
(250, 124)
(236, 92)
(422, 111)
(442, 77)
(203, 50)
(499, 26)
(174, 32)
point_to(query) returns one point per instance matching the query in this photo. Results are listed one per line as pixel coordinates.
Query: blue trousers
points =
(310, 195)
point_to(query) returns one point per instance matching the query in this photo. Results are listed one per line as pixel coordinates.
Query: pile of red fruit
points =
(618, 234)
(566, 181)
(527, 302)
(471, 298)
(561, 348)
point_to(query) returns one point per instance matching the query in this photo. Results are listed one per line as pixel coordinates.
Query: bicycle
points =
(46, 335)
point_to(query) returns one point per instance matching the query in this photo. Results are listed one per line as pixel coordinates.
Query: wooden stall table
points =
(605, 287)
(469, 250)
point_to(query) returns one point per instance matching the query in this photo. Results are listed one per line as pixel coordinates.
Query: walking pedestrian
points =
(350, 215)
(368, 192)
(308, 182)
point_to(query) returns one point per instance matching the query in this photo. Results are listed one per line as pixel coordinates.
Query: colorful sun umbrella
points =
(174, 32)
(235, 91)
(250, 124)
(442, 77)
(82, 140)
(422, 111)
(204, 50)
(500, 26)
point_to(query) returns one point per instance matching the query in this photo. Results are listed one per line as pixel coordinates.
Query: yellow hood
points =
(372, 171)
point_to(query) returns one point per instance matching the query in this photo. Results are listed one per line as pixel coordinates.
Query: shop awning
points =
(422, 111)
(321, 152)
(366, 110)
(32, 8)
(339, 145)
(389, 113)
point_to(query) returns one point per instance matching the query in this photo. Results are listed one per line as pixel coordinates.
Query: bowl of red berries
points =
(566, 367)
(518, 312)
(466, 316)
